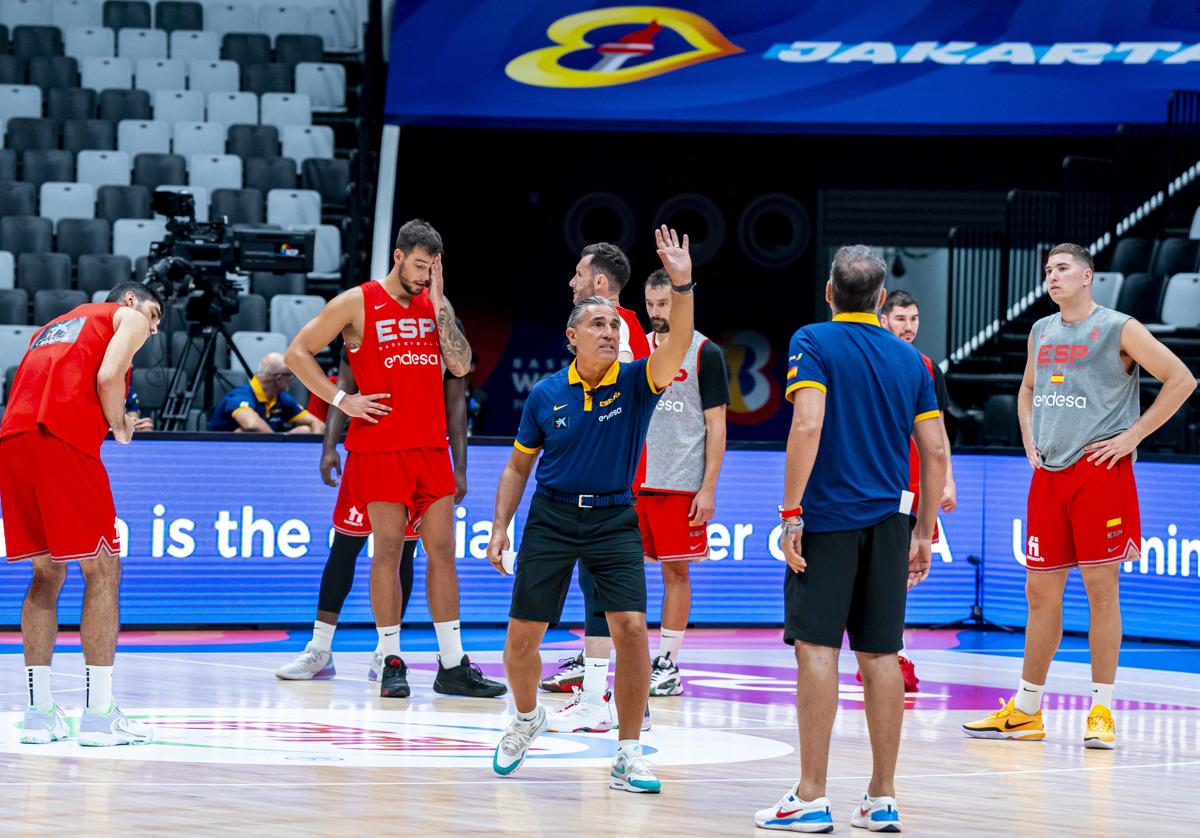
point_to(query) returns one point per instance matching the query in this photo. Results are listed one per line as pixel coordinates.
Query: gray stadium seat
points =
(14, 340)
(230, 17)
(101, 168)
(31, 41)
(267, 173)
(215, 171)
(41, 165)
(63, 103)
(8, 271)
(301, 142)
(60, 200)
(172, 106)
(198, 138)
(330, 178)
(1174, 256)
(1106, 287)
(1132, 255)
(327, 250)
(138, 136)
(37, 272)
(1000, 421)
(48, 305)
(240, 206)
(1141, 294)
(142, 43)
(233, 108)
(213, 76)
(294, 49)
(116, 105)
(51, 71)
(195, 46)
(276, 19)
(90, 41)
(79, 236)
(101, 272)
(26, 13)
(171, 15)
(1194, 232)
(199, 197)
(24, 133)
(133, 237)
(337, 26)
(251, 315)
(106, 73)
(26, 234)
(246, 47)
(14, 307)
(1181, 301)
(12, 71)
(66, 14)
(287, 207)
(269, 285)
(155, 170)
(270, 77)
(280, 109)
(289, 312)
(17, 100)
(253, 141)
(122, 14)
(160, 74)
(17, 198)
(324, 84)
(151, 385)
(254, 345)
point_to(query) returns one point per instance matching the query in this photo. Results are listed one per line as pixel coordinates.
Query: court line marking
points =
(1069, 677)
(56, 691)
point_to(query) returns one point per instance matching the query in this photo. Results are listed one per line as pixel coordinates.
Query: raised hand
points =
(674, 255)
(437, 284)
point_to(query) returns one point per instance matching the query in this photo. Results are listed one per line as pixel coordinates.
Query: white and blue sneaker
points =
(878, 814)
(796, 815)
(111, 728)
(44, 725)
(376, 666)
(515, 742)
(631, 771)
(312, 664)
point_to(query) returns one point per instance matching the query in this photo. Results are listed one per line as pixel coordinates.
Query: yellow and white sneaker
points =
(1101, 729)
(1008, 723)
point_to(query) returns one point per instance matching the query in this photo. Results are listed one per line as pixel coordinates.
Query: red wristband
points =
(791, 513)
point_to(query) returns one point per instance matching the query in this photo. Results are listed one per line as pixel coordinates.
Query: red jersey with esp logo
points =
(401, 355)
(55, 385)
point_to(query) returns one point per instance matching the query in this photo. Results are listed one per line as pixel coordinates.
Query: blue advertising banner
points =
(857, 65)
(236, 532)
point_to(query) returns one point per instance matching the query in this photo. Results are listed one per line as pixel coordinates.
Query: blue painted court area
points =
(1168, 657)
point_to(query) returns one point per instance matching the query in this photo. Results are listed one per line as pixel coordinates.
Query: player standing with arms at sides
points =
(398, 332)
(1081, 422)
(70, 388)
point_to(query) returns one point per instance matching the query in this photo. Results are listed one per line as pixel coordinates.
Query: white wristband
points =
(341, 394)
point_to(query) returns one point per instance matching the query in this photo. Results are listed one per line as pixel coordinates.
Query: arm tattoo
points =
(456, 352)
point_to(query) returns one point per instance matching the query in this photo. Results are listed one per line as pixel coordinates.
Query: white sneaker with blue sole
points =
(877, 814)
(796, 815)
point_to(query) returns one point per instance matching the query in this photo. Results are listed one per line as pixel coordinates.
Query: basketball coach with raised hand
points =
(859, 393)
(588, 422)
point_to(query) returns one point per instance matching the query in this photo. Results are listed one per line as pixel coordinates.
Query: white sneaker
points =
(796, 815)
(44, 726)
(664, 677)
(514, 744)
(878, 814)
(631, 771)
(376, 666)
(583, 716)
(111, 728)
(310, 665)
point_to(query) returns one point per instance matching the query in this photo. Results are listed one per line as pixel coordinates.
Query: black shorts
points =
(856, 582)
(605, 539)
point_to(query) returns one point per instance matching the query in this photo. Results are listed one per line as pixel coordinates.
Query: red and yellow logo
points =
(544, 68)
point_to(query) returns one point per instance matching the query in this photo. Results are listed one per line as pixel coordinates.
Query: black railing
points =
(1089, 184)
(977, 289)
(1142, 168)
(1033, 225)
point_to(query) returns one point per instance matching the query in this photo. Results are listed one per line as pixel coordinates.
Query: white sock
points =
(389, 640)
(1102, 694)
(634, 744)
(595, 679)
(1029, 697)
(669, 643)
(99, 688)
(38, 678)
(322, 636)
(528, 717)
(449, 639)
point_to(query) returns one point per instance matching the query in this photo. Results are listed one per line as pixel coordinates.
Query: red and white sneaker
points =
(568, 677)
(907, 669)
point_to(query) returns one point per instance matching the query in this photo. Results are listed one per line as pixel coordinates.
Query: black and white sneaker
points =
(393, 682)
(466, 679)
(664, 677)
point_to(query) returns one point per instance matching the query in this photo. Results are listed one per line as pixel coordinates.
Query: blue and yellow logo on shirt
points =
(656, 40)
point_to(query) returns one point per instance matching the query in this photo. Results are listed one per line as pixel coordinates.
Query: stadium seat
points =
(43, 272)
(133, 237)
(152, 385)
(215, 171)
(1106, 287)
(84, 134)
(127, 14)
(3, 38)
(224, 381)
(153, 353)
(280, 109)
(337, 26)
(24, 133)
(289, 312)
(25, 234)
(195, 46)
(142, 43)
(294, 49)
(101, 168)
(31, 41)
(1175, 256)
(51, 71)
(8, 164)
(155, 170)
(8, 271)
(26, 13)
(246, 48)
(251, 315)
(301, 142)
(277, 19)
(12, 71)
(1181, 301)
(330, 178)
(137, 136)
(63, 103)
(230, 108)
(1000, 421)
(213, 76)
(199, 198)
(17, 198)
(14, 307)
(1132, 256)
(327, 250)
(1141, 294)
(229, 17)
(253, 141)
(254, 345)
(268, 285)
(179, 341)
(18, 100)
(267, 78)
(102, 271)
(83, 236)
(50, 304)
(160, 74)
(42, 164)
(90, 42)
(116, 105)
(239, 206)
(324, 84)
(267, 173)
(172, 106)
(66, 14)
(170, 15)
(67, 200)
(106, 74)
(198, 138)
(1194, 233)
(289, 207)
(14, 340)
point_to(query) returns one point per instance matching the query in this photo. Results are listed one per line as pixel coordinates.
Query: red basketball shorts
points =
(55, 499)
(667, 534)
(1084, 515)
(414, 477)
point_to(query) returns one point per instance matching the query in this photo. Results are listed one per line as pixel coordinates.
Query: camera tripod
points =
(975, 619)
(183, 390)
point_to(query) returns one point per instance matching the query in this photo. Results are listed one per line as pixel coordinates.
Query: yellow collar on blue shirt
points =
(857, 317)
(256, 386)
(609, 378)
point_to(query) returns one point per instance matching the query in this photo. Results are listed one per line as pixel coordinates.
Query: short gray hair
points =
(857, 274)
(577, 313)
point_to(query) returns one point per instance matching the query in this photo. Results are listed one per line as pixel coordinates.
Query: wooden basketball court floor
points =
(238, 752)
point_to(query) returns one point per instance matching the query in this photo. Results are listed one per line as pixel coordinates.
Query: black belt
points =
(586, 501)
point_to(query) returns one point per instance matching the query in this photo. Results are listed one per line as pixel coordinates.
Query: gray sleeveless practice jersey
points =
(675, 441)
(1082, 392)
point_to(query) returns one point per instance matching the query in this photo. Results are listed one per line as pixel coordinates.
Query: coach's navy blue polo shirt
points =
(592, 440)
(876, 388)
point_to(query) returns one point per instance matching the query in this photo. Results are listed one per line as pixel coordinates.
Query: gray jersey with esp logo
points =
(675, 441)
(1082, 392)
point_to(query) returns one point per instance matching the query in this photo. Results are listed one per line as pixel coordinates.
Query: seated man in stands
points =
(263, 404)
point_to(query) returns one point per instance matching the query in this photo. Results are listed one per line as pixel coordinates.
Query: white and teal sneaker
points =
(797, 815)
(44, 725)
(631, 771)
(515, 742)
(111, 728)
(878, 814)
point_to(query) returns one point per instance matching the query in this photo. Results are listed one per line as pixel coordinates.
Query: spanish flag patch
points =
(792, 373)
(1057, 378)
(1113, 522)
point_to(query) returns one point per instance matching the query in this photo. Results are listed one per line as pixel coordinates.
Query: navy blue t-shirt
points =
(277, 412)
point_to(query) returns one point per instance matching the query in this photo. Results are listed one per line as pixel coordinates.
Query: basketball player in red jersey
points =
(399, 331)
(58, 507)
